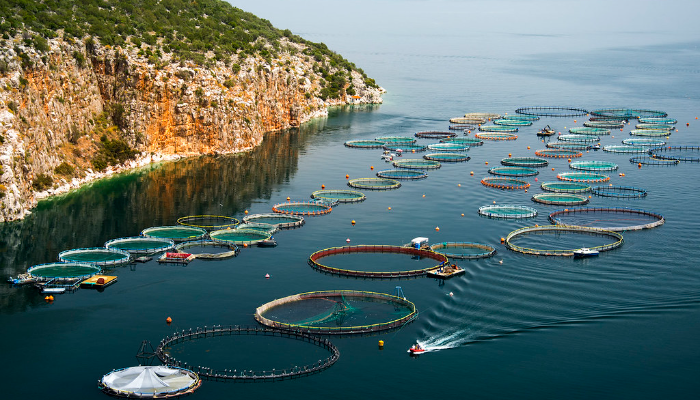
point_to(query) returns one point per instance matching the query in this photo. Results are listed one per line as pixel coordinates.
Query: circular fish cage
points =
(593, 165)
(239, 236)
(604, 124)
(487, 116)
(396, 147)
(402, 174)
(512, 122)
(140, 244)
(655, 126)
(524, 162)
(314, 260)
(150, 382)
(569, 146)
(558, 153)
(513, 171)
(374, 183)
(462, 127)
(582, 177)
(100, 256)
(680, 153)
(365, 144)
(63, 270)
(341, 196)
(579, 138)
(560, 199)
(647, 160)
(620, 192)
(259, 226)
(451, 147)
(302, 208)
(208, 222)
(280, 220)
(507, 211)
(658, 120)
(589, 131)
(611, 219)
(395, 139)
(468, 120)
(416, 163)
(522, 117)
(566, 187)
(434, 134)
(613, 119)
(164, 353)
(505, 183)
(337, 312)
(552, 111)
(625, 149)
(209, 249)
(447, 157)
(616, 239)
(496, 129)
(463, 250)
(177, 233)
(471, 142)
(628, 113)
(495, 136)
(650, 132)
(643, 142)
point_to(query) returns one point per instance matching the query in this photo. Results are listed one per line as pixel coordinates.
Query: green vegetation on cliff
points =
(202, 31)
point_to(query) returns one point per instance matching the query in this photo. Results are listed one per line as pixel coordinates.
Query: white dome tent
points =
(149, 382)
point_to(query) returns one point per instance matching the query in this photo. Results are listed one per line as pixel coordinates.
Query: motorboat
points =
(546, 131)
(21, 279)
(585, 252)
(416, 349)
(267, 243)
(387, 156)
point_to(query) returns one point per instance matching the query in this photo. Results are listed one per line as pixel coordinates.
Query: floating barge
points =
(176, 258)
(445, 272)
(99, 281)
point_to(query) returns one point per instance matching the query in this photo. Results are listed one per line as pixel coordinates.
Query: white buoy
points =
(267, 276)
(347, 240)
(451, 294)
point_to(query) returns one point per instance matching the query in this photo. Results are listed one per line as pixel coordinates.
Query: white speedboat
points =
(585, 252)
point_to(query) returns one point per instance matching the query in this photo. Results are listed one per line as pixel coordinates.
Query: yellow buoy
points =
(381, 344)
(423, 195)
(487, 163)
(389, 208)
(462, 214)
(288, 198)
(353, 222)
(503, 240)
(494, 202)
(459, 185)
(471, 173)
(509, 155)
(413, 151)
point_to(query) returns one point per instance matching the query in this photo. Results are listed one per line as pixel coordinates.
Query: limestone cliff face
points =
(51, 104)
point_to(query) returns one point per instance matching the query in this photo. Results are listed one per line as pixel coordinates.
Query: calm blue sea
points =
(620, 326)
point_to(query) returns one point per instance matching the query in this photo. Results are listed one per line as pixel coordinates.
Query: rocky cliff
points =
(58, 105)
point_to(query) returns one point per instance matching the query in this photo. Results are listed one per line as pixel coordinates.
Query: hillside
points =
(92, 87)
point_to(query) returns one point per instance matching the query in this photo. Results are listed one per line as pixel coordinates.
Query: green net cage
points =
(177, 233)
(303, 208)
(404, 147)
(209, 249)
(625, 149)
(558, 153)
(524, 162)
(416, 163)
(507, 211)
(63, 270)
(466, 141)
(569, 146)
(447, 157)
(259, 226)
(654, 126)
(589, 131)
(580, 138)
(505, 183)
(580, 236)
(522, 117)
(341, 195)
(513, 171)
(647, 142)
(208, 222)
(468, 120)
(560, 199)
(451, 147)
(374, 183)
(593, 165)
(497, 128)
(658, 120)
(629, 113)
(434, 134)
(239, 236)
(620, 192)
(280, 220)
(680, 153)
(566, 187)
(604, 124)
(463, 250)
(648, 160)
(402, 174)
(100, 256)
(650, 132)
(512, 122)
(395, 139)
(484, 115)
(552, 111)
(582, 177)
(618, 219)
(365, 144)
(496, 136)
(140, 244)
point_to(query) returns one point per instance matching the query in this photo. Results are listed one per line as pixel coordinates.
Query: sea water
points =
(621, 325)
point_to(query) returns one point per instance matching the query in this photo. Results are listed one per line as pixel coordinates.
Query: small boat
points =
(546, 131)
(53, 290)
(585, 252)
(596, 146)
(267, 243)
(387, 156)
(416, 349)
(21, 279)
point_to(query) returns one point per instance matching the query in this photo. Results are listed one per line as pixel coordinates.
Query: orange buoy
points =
(552, 168)
(569, 160)
(169, 320)
(245, 245)
(246, 212)
(471, 173)
(487, 163)
(437, 229)
(459, 185)
(389, 208)
(503, 240)
(687, 124)
(574, 121)
(371, 167)
(352, 222)
(639, 165)
(509, 155)
(528, 147)
(469, 131)
(347, 176)
(46, 298)
(494, 202)
(288, 198)
(423, 195)
(462, 214)
(536, 226)
(323, 186)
